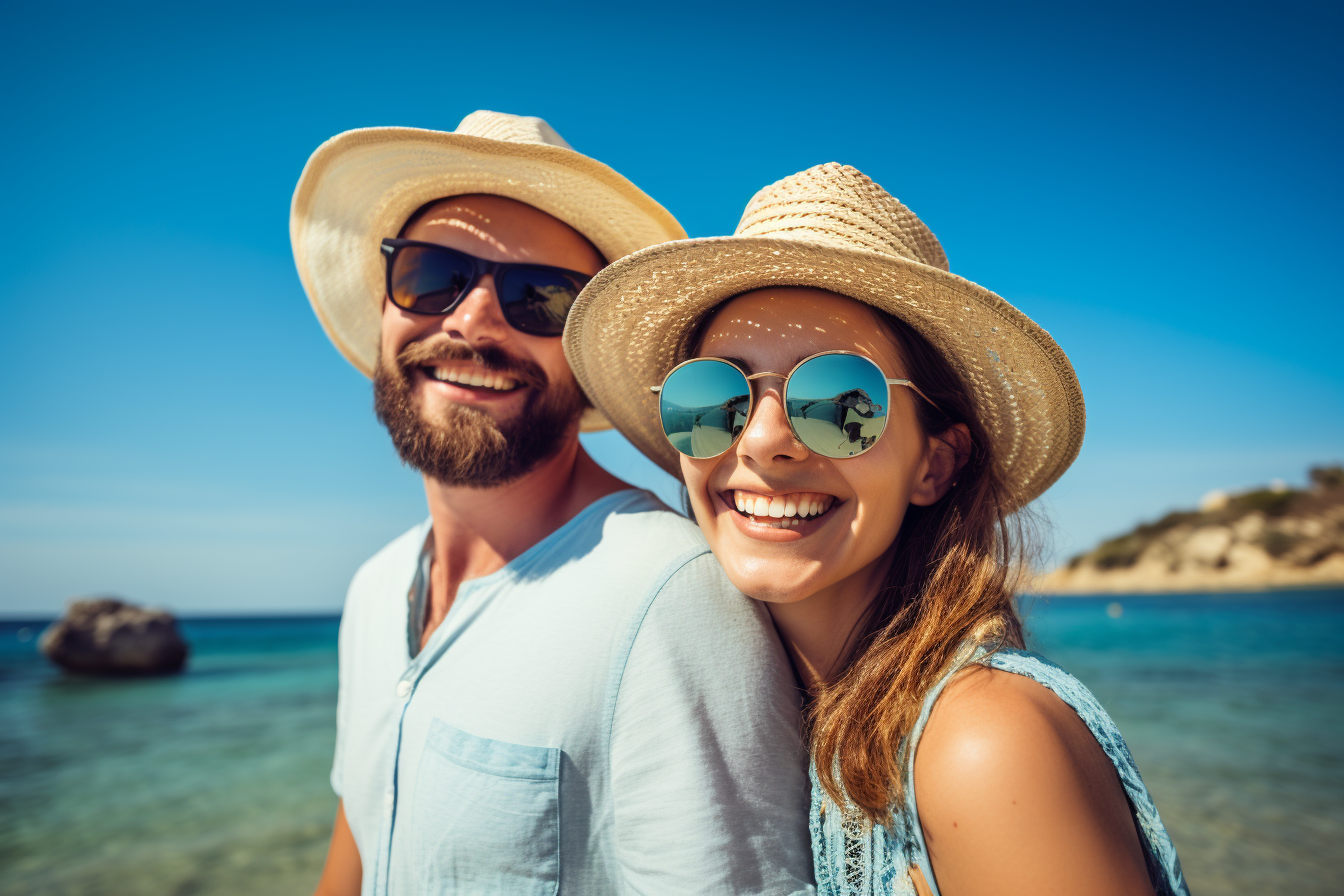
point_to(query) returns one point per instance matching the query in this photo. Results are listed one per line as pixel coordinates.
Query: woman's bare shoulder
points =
(1014, 790)
(986, 719)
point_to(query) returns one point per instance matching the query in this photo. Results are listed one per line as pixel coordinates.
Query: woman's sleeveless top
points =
(856, 858)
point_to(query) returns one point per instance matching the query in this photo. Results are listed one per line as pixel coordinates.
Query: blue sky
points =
(1158, 186)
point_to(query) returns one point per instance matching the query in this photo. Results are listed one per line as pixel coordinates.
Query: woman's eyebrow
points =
(749, 369)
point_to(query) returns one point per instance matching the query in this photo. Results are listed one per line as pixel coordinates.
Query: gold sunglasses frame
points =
(784, 391)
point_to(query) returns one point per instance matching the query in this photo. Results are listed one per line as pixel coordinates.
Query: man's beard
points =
(465, 446)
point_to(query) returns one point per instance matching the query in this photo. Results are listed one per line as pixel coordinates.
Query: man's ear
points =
(947, 455)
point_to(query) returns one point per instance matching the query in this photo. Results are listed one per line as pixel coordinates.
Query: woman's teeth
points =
(485, 379)
(782, 510)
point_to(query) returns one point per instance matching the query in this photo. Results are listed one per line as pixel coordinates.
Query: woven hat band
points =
(839, 206)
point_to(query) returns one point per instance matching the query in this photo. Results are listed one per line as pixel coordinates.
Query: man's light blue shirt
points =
(605, 714)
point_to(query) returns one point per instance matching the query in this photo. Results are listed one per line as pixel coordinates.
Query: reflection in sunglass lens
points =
(428, 281)
(537, 300)
(704, 407)
(837, 404)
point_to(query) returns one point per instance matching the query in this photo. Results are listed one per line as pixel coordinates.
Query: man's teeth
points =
(485, 379)
(790, 509)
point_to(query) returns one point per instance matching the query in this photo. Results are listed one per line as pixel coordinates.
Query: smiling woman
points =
(856, 429)
(784, 556)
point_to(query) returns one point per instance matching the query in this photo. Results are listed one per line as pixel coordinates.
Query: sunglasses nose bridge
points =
(768, 435)
(477, 315)
(773, 384)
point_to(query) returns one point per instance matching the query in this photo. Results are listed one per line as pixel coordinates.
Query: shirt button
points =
(403, 688)
(387, 801)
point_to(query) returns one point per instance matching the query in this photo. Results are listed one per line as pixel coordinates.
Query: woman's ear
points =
(947, 454)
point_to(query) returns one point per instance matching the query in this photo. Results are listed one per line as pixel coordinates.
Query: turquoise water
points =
(216, 781)
(1233, 706)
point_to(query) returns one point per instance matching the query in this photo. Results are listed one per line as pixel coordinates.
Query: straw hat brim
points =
(634, 321)
(362, 185)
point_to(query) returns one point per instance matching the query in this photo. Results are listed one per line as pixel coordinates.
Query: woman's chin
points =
(771, 595)
(771, 584)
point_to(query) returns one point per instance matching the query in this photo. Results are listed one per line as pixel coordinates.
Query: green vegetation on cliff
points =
(1266, 537)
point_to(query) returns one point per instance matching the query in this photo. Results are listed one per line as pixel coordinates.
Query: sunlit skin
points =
(1015, 795)
(478, 531)
(817, 578)
(497, 229)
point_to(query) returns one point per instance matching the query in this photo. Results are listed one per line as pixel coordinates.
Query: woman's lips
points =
(787, 516)
(791, 506)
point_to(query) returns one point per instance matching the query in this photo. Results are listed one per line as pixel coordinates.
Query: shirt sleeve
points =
(343, 657)
(708, 771)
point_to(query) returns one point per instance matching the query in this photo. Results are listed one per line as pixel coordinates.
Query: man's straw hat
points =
(832, 228)
(362, 185)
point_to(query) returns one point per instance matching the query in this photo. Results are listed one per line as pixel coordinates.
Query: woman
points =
(856, 427)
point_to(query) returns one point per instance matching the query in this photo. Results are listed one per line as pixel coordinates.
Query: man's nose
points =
(478, 319)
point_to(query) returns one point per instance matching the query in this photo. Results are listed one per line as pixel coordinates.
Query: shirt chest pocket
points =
(485, 816)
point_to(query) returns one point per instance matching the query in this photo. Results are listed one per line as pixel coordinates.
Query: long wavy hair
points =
(951, 582)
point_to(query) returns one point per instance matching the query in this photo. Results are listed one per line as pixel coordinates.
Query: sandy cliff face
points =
(1268, 538)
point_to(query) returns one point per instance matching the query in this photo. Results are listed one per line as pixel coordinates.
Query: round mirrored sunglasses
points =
(835, 403)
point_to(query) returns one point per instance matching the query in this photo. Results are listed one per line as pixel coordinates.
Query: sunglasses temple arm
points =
(917, 390)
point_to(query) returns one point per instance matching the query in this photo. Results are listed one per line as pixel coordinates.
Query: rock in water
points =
(106, 636)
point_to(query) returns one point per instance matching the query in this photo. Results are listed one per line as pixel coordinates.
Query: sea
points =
(215, 781)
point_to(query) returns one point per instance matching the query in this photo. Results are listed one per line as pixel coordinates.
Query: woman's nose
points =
(767, 437)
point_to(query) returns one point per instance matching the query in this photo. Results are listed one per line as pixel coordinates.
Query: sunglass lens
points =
(837, 404)
(704, 406)
(537, 300)
(429, 281)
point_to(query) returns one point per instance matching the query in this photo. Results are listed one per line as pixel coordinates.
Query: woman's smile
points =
(782, 516)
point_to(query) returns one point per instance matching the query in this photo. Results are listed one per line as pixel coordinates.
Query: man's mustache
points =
(441, 349)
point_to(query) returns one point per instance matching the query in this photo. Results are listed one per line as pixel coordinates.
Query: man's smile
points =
(471, 376)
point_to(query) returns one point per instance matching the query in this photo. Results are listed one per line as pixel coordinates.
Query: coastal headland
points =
(1266, 538)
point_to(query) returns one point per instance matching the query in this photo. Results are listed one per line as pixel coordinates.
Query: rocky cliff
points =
(1267, 538)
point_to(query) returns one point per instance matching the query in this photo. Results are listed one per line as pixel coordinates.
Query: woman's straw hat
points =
(362, 185)
(828, 227)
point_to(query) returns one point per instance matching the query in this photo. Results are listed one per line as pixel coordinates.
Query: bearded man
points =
(549, 685)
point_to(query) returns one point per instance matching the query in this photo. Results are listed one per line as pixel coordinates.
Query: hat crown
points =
(510, 128)
(838, 205)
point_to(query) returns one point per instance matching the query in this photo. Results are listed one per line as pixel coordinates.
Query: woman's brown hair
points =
(950, 583)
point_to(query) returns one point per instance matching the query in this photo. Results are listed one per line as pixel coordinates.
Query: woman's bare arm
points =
(1016, 796)
(342, 874)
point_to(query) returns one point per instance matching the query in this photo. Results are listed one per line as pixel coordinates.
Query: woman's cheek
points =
(882, 498)
(696, 476)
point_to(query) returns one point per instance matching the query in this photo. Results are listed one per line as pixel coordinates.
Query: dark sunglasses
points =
(426, 278)
(834, 401)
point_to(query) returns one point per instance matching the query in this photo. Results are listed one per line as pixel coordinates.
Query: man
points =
(549, 685)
